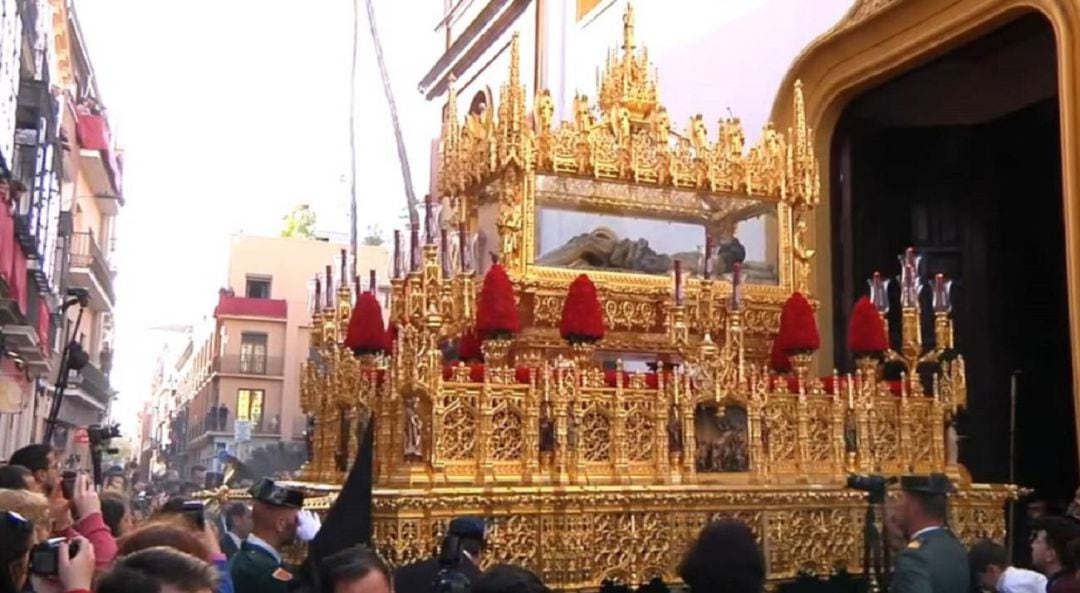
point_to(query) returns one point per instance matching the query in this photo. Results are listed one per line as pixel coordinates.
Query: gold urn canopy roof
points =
(626, 135)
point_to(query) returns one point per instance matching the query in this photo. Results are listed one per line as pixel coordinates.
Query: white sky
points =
(231, 112)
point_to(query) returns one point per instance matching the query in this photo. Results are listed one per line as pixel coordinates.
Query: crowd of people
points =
(60, 533)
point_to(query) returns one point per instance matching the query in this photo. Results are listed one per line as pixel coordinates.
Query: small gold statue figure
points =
(414, 440)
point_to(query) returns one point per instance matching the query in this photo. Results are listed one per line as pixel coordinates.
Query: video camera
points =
(45, 556)
(99, 434)
(873, 485)
(450, 579)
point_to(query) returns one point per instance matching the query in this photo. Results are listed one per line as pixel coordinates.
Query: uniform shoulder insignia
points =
(282, 575)
(914, 544)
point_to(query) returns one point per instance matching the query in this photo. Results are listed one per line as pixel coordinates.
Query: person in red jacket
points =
(87, 522)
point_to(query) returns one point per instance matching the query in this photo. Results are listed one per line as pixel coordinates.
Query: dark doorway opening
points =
(960, 158)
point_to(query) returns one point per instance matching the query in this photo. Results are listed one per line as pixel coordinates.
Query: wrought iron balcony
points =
(93, 382)
(90, 268)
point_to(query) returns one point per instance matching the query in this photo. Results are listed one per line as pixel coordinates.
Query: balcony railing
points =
(93, 382)
(234, 364)
(86, 253)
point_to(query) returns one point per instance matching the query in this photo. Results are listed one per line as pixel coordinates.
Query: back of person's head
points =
(17, 533)
(33, 457)
(353, 566)
(152, 569)
(986, 553)
(724, 558)
(507, 578)
(114, 507)
(163, 532)
(987, 561)
(31, 505)
(234, 511)
(15, 477)
(934, 506)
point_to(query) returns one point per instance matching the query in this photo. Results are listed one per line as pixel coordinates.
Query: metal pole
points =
(1012, 457)
(353, 222)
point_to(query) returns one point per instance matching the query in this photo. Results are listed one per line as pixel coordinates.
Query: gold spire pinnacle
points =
(628, 29)
(628, 80)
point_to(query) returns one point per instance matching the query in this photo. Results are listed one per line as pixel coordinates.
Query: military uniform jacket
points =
(255, 570)
(934, 561)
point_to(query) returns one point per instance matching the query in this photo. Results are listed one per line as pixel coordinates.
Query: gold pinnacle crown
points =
(628, 79)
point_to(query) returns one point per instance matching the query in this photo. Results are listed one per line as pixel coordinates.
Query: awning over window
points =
(93, 134)
(244, 307)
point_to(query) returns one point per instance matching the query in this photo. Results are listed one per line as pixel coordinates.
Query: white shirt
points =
(259, 542)
(235, 539)
(1018, 580)
(925, 530)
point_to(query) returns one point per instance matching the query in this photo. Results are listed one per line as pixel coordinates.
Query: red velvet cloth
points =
(366, 333)
(469, 348)
(391, 336)
(7, 242)
(582, 316)
(17, 281)
(496, 310)
(44, 324)
(798, 328)
(245, 307)
(93, 134)
(827, 384)
(476, 373)
(866, 332)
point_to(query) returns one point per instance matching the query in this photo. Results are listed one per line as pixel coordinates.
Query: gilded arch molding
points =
(880, 39)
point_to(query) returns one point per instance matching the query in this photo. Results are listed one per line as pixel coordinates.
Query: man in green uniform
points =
(258, 567)
(933, 561)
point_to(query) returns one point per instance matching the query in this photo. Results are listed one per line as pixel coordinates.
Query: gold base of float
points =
(575, 536)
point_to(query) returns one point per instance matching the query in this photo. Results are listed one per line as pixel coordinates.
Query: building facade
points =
(60, 190)
(238, 380)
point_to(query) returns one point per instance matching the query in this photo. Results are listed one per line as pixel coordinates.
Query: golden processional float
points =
(596, 461)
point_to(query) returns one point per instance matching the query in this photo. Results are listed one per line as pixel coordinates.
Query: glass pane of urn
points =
(614, 227)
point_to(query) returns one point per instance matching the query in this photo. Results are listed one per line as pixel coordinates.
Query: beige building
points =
(244, 365)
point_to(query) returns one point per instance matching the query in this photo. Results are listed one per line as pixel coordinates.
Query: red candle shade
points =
(582, 316)
(444, 252)
(798, 328)
(429, 218)
(678, 282)
(496, 310)
(866, 332)
(329, 286)
(463, 241)
(706, 264)
(366, 333)
(414, 248)
(398, 260)
(736, 287)
(344, 268)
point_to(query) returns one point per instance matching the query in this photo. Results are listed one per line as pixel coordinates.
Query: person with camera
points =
(258, 567)
(420, 577)
(87, 521)
(51, 566)
(933, 561)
